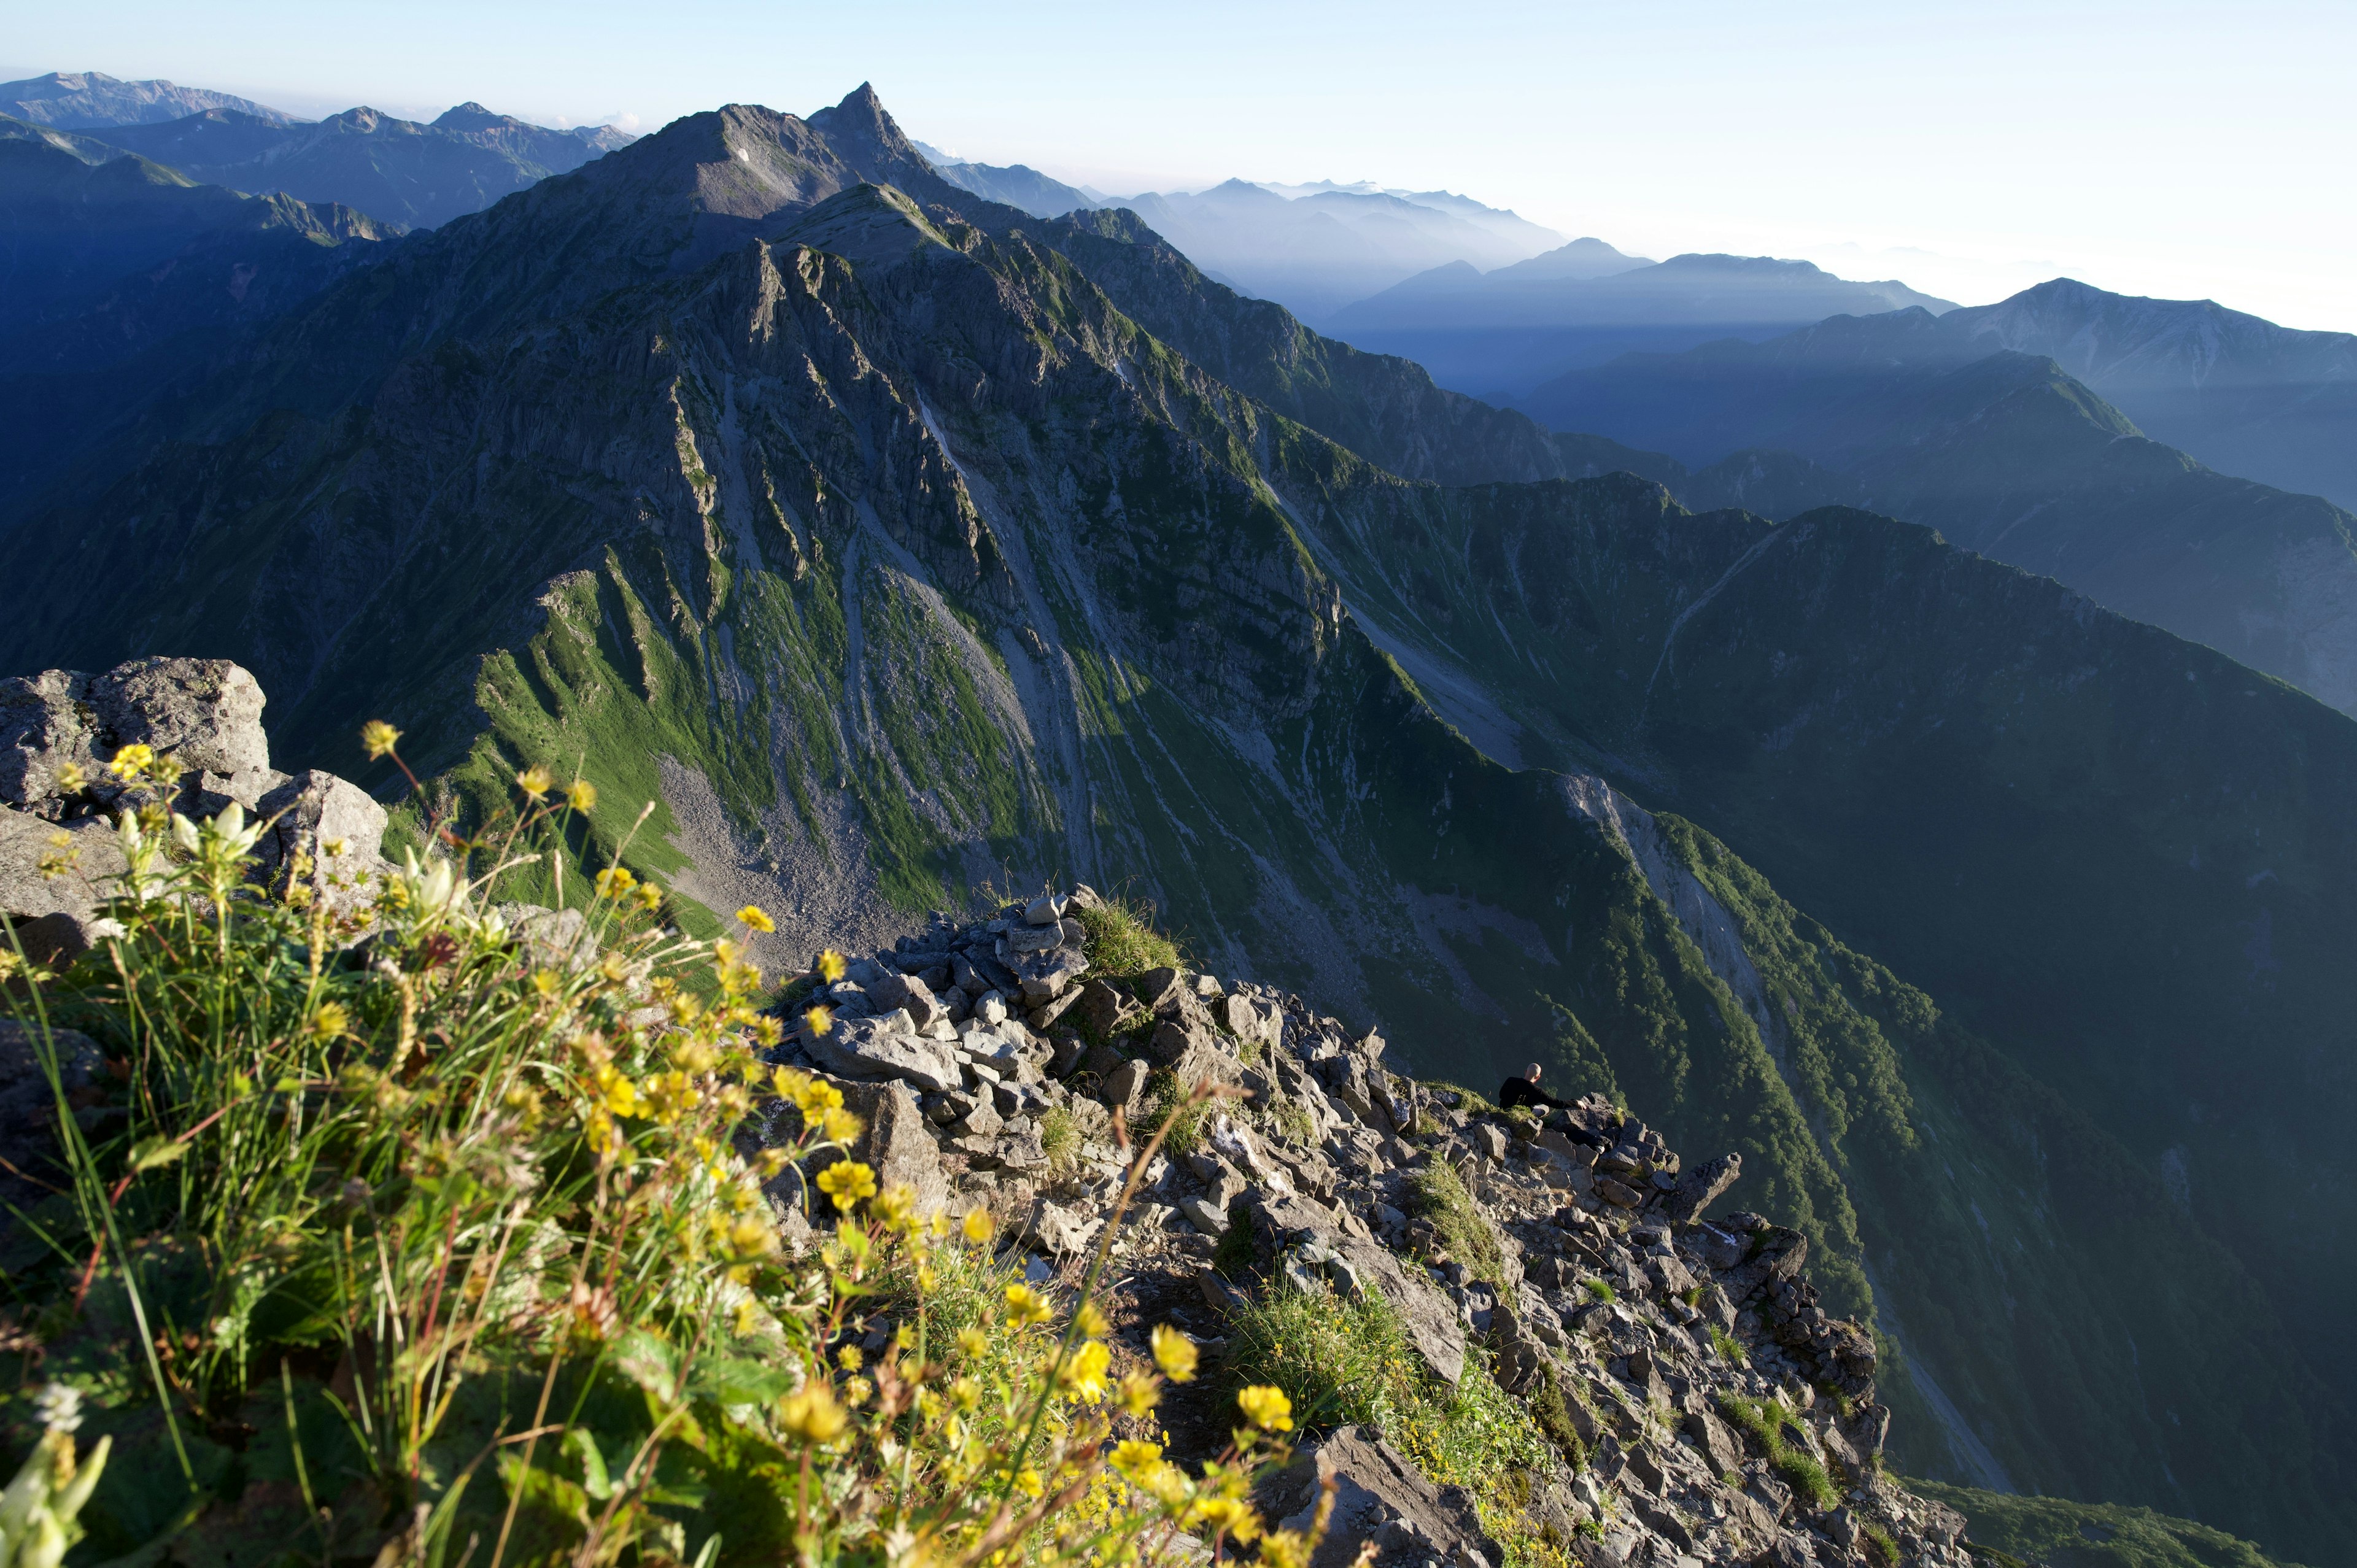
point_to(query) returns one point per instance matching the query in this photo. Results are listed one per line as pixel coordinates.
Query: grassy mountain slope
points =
(2053, 1533)
(894, 552)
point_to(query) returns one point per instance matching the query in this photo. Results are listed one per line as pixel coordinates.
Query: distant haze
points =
(2156, 147)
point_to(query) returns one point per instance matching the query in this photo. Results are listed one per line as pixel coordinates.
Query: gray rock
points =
(1125, 1088)
(985, 1121)
(336, 820)
(1102, 1009)
(894, 1143)
(1700, 1187)
(884, 1048)
(1034, 939)
(1043, 976)
(28, 1111)
(88, 863)
(1210, 1218)
(1048, 909)
(1058, 1230)
(1379, 1495)
(910, 994)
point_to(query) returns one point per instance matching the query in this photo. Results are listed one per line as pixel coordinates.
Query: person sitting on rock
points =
(1525, 1090)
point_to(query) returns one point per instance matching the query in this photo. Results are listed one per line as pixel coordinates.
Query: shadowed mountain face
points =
(893, 541)
(2241, 395)
(397, 171)
(1503, 333)
(2009, 455)
(91, 99)
(120, 276)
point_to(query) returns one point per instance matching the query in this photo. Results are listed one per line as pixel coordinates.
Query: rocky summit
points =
(1703, 1406)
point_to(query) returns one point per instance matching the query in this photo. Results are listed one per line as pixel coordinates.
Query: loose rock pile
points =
(1717, 1414)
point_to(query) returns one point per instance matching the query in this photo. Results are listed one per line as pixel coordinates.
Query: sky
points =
(2177, 150)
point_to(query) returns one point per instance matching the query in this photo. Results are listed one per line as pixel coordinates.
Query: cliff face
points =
(895, 553)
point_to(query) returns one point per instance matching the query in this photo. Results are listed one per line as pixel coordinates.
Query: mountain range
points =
(397, 171)
(89, 99)
(894, 541)
(2010, 455)
(1500, 333)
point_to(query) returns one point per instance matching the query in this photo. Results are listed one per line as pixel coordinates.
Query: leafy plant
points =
(1762, 1421)
(454, 1222)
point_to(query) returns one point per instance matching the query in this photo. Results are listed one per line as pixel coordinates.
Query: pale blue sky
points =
(2158, 148)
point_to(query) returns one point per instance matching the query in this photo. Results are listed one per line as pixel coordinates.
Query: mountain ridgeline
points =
(899, 541)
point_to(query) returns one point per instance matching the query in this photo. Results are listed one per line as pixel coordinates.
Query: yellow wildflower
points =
(1139, 1394)
(753, 917)
(752, 1238)
(895, 1204)
(1084, 1375)
(816, 1094)
(1266, 1407)
(812, 1414)
(1284, 1548)
(133, 760)
(837, 1125)
(846, 1181)
(535, 782)
(377, 738)
(1025, 1305)
(1174, 1353)
(1131, 1458)
(69, 778)
(581, 795)
(973, 1341)
(617, 1093)
(615, 881)
(977, 1225)
(650, 896)
(848, 1358)
(1093, 1322)
(1234, 1516)
(819, 1020)
(329, 1021)
(830, 966)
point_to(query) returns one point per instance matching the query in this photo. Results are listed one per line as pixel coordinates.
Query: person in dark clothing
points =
(1525, 1090)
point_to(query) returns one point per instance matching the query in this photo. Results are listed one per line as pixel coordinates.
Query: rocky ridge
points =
(1705, 1407)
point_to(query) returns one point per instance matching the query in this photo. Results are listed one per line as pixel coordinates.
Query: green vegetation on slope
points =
(2053, 1533)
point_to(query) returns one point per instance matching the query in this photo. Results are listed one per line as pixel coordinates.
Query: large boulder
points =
(1380, 1497)
(887, 1047)
(52, 890)
(203, 714)
(894, 1142)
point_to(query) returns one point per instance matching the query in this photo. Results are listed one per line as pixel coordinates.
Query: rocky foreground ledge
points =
(1702, 1407)
(1706, 1408)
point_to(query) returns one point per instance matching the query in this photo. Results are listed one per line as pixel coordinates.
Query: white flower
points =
(432, 888)
(60, 1407)
(99, 931)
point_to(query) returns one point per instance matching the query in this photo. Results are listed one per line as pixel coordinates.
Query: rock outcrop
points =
(1701, 1404)
(59, 855)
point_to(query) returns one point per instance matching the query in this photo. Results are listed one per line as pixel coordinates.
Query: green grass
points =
(1344, 1362)
(1163, 1093)
(1437, 1194)
(1601, 1290)
(2066, 1534)
(1762, 1421)
(1123, 941)
(1059, 1137)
